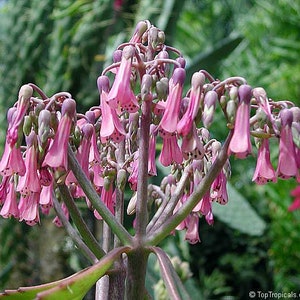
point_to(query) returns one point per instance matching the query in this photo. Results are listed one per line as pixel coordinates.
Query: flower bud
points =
(121, 179)
(245, 93)
(198, 79)
(286, 117)
(146, 87)
(106, 183)
(103, 84)
(210, 100)
(27, 125)
(233, 93)
(117, 56)
(68, 107)
(231, 110)
(140, 29)
(44, 125)
(162, 88)
(132, 204)
(128, 52)
(25, 92)
(181, 61)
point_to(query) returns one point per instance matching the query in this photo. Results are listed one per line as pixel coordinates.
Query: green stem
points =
(92, 195)
(171, 223)
(84, 231)
(73, 234)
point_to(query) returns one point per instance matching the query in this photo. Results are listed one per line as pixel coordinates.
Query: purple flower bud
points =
(286, 116)
(103, 84)
(146, 87)
(245, 93)
(69, 107)
(117, 56)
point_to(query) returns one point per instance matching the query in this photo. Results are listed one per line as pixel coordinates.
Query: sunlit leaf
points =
(71, 288)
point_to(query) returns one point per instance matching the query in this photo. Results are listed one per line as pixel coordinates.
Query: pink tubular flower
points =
(57, 155)
(25, 94)
(168, 123)
(29, 208)
(185, 124)
(30, 182)
(264, 170)
(240, 144)
(10, 207)
(46, 198)
(133, 177)
(121, 96)
(111, 127)
(170, 151)
(287, 165)
(12, 161)
(192, 233)
(108, 197)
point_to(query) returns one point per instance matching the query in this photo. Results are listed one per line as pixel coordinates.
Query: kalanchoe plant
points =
(57, 157)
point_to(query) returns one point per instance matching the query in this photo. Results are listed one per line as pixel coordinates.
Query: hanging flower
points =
(264, 170)
(57, 155)
(240, 144)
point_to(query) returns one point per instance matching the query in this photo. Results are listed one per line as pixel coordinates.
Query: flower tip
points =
(25, 91)
(245, 93)
(103, 83)
(178, 76)
(68, 107)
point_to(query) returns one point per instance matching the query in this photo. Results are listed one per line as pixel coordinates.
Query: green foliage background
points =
(64, 45)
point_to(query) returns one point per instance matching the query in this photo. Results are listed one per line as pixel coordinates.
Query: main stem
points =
(142, 185)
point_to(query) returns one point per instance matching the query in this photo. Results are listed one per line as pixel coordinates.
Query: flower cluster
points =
(106, 138)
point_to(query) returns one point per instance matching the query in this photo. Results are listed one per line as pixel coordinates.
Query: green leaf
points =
(238, 214)
(71, 288)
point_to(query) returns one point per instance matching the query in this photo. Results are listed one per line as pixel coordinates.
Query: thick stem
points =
(92, 195)
(171, 223)
(82, 227)
(142, 185)
(136, 274)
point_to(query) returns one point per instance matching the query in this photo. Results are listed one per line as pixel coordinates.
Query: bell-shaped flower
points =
(170, 152)
(169, 120)
(192, 233)
(29, 209)
(184, 126)
(30, 181)
(57, 155)
(287, 165)
(12, 161)
(46, 198)
(10, 206)
(25, 94)
(264, 170)
(240, 143)
(121, 96)
(111, 126)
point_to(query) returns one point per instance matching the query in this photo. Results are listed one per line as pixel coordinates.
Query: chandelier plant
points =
(57, 158)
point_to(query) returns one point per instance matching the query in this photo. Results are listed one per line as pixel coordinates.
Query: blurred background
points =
(63, 45)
